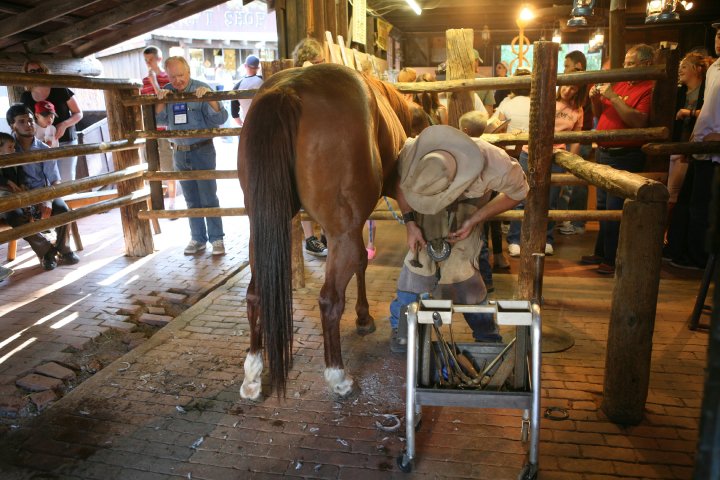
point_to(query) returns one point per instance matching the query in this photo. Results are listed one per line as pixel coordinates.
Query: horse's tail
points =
(270, 131)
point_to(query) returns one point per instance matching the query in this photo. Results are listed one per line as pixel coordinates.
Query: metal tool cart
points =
(441, 373)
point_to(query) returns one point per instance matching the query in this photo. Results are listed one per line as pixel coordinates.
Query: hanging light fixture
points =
(659, 11)
(415, 7)
(485, 35)
(581, 9)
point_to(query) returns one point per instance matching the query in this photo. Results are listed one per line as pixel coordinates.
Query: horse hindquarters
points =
(267, 163)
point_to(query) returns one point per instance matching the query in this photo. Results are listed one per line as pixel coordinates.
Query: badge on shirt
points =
(180, 113)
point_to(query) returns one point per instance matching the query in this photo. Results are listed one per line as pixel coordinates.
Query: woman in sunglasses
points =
(67, 111)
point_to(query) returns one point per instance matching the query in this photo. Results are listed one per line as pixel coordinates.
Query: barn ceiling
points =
(499, 15)
(77, 28)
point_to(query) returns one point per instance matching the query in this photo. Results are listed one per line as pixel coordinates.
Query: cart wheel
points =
(404, 463)
(524, 431)
(529, 472)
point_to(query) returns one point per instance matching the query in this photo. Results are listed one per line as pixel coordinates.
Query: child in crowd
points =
(7, 187)
(45, 131)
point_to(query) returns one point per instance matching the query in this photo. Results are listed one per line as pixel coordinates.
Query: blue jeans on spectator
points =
(513, 235)
(628, 159)
(200, 193)
(579, 193)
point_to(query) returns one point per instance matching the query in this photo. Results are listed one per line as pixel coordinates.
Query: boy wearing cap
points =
(45, 131)
(446, 179)
(251, 81)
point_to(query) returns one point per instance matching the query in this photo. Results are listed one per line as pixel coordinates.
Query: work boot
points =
(398, 342)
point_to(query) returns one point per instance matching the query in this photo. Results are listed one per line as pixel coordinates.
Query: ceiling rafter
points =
(39, 15)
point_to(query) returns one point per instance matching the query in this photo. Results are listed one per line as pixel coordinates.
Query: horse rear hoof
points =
(363, 330)
(351, 394)
(251, 391)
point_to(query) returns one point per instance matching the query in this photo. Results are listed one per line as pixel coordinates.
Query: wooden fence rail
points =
(31, 197)
(655, 72)
(75, 81)
(67, 217)
(687, 148)
(68, 151)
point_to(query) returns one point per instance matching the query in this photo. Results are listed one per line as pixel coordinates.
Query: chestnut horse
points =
(324, 138)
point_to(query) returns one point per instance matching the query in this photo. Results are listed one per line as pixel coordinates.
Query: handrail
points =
(31, 197)
(512, 215)
(619, 182)
(67, 217)
(681, 147)
(34, 156)
(585, 137)
(188, 97)
(655, 72)
(75, 81)
(199, 133)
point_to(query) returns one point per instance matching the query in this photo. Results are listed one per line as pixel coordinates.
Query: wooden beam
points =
(13, 62)
(52, 80)
(15, 159)
(542, 121)
(44, 12)
(144, 26)
(92, 24)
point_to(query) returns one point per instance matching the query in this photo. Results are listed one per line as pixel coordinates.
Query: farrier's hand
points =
(201, 91)
(415, 237)
(463, 232)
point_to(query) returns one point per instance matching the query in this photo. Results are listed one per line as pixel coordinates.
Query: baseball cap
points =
(44, 106)
(716, 23)
(252, 61)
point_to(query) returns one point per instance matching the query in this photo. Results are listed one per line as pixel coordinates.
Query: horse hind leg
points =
(341, 264)
(364, 323)
(251, 388)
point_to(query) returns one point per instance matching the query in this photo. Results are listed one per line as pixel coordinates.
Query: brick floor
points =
(171, 409)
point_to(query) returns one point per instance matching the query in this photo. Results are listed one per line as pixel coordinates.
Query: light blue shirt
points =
(40, 174)
(199, 114)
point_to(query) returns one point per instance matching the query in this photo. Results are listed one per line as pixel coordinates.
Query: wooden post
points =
(707, 460)
(121, 120)
(662, 113)
(152, 155)
(542, 122)
(632, 315)
(459, 66)
(617, 33)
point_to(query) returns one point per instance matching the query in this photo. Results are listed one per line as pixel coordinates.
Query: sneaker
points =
(194, 247)
(398, 344)
(514, 250)
(606, 269)
(505, 228)
(313, 246)
(48, 261)
(69, 258)
(568, 228)
(549, 250)
(5, 273)
(591, 259)
(218, 247)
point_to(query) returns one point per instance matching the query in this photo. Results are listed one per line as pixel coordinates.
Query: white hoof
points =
(252, 386)
(340, 383)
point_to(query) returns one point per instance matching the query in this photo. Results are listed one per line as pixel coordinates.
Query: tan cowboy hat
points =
(437, 167)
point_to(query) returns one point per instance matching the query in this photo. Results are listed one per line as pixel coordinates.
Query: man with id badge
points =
(194, 153)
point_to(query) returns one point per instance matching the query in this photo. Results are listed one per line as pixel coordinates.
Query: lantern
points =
(485, 35)
(661, 11)
(581, 9)
(557, 38)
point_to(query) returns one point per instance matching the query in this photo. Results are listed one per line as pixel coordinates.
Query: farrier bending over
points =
(446, 179)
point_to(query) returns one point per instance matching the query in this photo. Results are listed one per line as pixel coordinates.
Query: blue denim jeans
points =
(200, 193)
(513, 235)
(628, 159)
